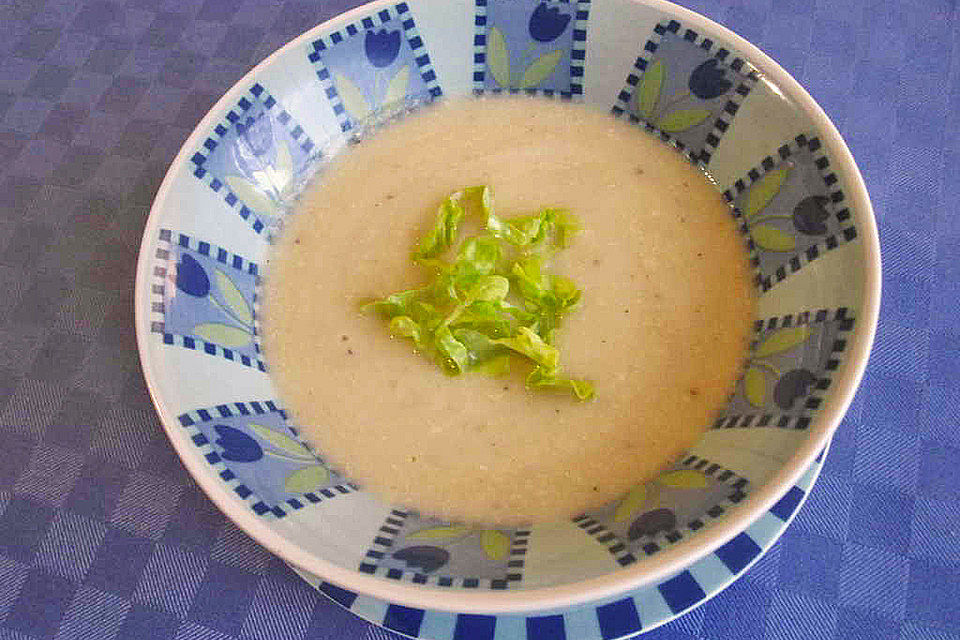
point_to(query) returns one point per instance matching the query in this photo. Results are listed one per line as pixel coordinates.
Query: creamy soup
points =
(661, 333)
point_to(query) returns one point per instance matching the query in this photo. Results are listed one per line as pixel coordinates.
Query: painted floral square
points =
(793, 209)
(687, 87)
(790, 366)
(207, 297)
(530, 46)
(663, 511)
(258, 158)
(447, 554)
(374, 67)
(263, 457)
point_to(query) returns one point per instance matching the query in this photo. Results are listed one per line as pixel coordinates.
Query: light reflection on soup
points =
(662, 331)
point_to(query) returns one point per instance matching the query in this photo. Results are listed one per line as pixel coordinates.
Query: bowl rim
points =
(653, 569)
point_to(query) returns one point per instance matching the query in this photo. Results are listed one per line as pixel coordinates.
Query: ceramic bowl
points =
(795, 192)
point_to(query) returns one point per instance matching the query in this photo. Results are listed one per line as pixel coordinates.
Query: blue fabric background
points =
(102, 533)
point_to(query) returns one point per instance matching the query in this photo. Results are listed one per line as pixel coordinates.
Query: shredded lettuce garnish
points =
(491, 300)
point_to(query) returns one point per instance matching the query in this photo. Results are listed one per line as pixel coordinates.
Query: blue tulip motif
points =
(381, 47)
(709, 80)
(791, 386)
(265, 165)
(221, 295)
(547, 23)
(191, 277)
(237, 446)
(257, 133)
(810, 214)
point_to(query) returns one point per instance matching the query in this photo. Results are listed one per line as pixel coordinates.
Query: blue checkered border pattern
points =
(614, 544)
(256, 92)
(640, 610)
(160, 282)
(814, 399)
(749, 75)
(578, 54)
(622, 551)
(836, 203)
(399, 11)
(190, 419)
(383, 543)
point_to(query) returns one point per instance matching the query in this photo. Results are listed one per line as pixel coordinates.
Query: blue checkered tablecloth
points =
(103, 534)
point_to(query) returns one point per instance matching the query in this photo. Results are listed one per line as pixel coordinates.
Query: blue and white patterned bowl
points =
(797, 196)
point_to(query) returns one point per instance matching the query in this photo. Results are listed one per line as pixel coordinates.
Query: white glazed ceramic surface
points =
(797, 196)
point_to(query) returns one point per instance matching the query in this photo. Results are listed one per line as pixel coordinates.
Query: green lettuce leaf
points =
(491, 299)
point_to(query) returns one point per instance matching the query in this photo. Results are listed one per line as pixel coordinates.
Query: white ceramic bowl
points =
(779, 160)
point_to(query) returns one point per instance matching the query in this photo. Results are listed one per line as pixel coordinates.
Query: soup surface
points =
(662, 330)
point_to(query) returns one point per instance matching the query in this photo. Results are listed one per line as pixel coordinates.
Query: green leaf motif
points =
(236, 304)
(448, 532)
(282, 442)
(495, 544)
(683, 479)
(284, 168)
(648, 94)
(631, 503)
(754, 386)
(682, 119)
(306, 479)
(782, 340)
(772, 239)
(252, 196)
(223, 334)
(763, 191)
(352, 98)
(498, 57)
(540, 69)
(397, 87)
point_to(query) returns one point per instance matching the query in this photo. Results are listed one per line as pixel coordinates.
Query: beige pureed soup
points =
(661, 331)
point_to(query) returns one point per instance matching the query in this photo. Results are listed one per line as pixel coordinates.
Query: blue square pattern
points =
(873, 579)
(22, 525)
(403, 619)
(42, 601)
(810, 563)
(97, 489)
(744, 621)
(224, 597)
(146, 622)
(853, 624)
(738, 552)
(945, 354)
(618, 618)
(474, 627)
(374, 66)
(681, 592)
(875, 518)
(119, 562)
(933, 591)
(936, 528)
(785, 507)
(546, 628)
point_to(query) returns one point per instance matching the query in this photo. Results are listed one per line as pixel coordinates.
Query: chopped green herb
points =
(491, 301)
